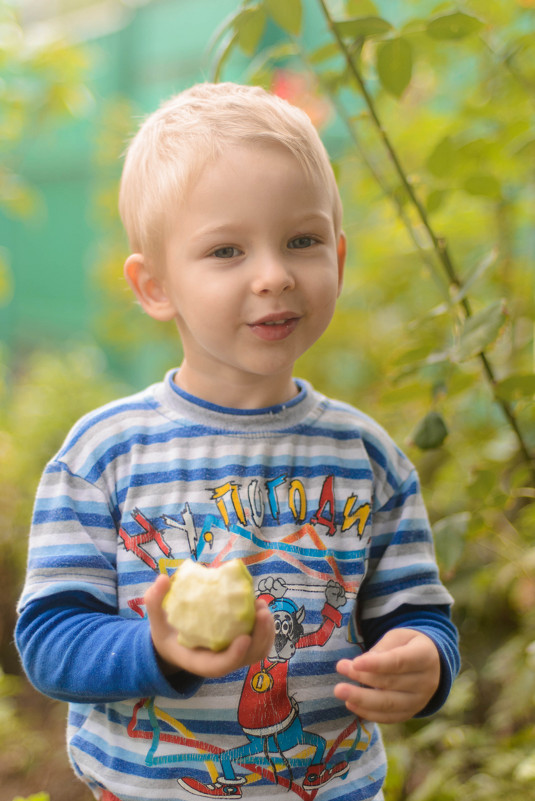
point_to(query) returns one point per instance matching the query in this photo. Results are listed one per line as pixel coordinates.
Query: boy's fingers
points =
(157, 591)
(244, 650)
(214, 664)
(414, 657)
(153, 600)
(263, 633)
(374, 664)
(397, 681)
(379, 706)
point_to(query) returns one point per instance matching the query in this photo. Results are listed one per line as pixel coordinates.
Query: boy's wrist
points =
(168, 668)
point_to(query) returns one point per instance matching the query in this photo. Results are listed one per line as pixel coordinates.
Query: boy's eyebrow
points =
(229, 227)
(312, 217)
(214, 230)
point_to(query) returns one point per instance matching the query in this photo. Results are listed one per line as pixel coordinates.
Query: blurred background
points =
(427, 110)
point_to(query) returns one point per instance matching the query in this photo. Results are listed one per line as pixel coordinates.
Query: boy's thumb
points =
(156, 593)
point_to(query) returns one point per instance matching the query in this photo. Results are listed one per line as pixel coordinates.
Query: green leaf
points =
(249, 27)
(362, 27)
(435, 200)
(442, 158)
(480, 331)
(483, 185)
(474, 276)
(450, 538)
(526, 149)
(453, 26)
(288, 14)
(361, 8)
(260, 70)
(430, 432)
(394, 65)
(223, 54)
(222, 30)
(516, 386)
(324, 53)
(37, 797)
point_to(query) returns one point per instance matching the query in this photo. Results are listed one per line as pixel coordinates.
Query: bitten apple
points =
(210, 606)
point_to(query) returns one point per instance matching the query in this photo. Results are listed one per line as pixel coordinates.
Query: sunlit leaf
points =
(394, 65)
(361, 8)
(480, 331)
(362, 27)
(481, 268)
(526, 149)
(225, 49)
(453, 26)
(430, 432)
(483, 483)
(516, 386)
(249, 27)
(450, 539)
(324, 53)
(35, 797)
(223, 31)
(435, 200)
(260, 72)
(286, 13)
(472, 278)
(442, 158)
(483, 185)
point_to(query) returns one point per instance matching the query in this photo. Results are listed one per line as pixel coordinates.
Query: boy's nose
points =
(272, 275)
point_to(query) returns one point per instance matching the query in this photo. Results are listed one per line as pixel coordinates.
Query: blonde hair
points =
(193, 128)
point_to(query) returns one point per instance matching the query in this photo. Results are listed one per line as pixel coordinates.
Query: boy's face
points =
(253, 268)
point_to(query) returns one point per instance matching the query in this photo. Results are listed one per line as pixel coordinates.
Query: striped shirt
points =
(326, 513)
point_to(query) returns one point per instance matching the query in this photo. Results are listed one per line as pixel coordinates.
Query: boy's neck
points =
(260, 394)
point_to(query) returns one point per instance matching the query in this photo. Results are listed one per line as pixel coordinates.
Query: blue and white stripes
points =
(312, 494)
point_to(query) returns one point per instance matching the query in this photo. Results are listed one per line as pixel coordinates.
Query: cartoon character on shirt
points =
(273, 726)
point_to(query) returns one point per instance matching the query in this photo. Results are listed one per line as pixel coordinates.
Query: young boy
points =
(234, 221)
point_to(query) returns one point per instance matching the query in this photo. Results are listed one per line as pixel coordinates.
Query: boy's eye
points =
(228, 252)
(302, 242)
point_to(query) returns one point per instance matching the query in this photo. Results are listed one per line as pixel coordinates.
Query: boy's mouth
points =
(275, 326)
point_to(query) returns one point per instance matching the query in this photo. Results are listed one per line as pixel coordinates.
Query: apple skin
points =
(210, 606)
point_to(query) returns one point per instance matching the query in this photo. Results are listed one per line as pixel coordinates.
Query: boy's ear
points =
(341, 251)
(148, 288)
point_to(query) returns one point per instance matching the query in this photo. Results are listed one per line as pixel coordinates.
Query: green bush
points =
(39, 400)
(428, 112)
(36, 797)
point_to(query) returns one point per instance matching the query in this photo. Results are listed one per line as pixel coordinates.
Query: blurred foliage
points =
(119, 327)
(41, 80)
(434, 330)
(35, 797)
(46, 394)
(39, 401)
(428, 110)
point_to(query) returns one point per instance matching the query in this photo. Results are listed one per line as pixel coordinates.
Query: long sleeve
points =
(402, 587)
(313, 496)
(74, 648)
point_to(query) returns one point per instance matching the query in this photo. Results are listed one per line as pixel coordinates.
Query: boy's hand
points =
(245, 650)
(401, 673)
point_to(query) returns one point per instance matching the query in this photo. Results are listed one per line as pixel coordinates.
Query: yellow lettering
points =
(218, 495)
(296, 491)
(358, 516)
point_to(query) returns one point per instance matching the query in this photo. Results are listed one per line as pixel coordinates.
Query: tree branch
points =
(439, 243)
